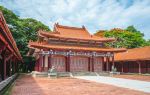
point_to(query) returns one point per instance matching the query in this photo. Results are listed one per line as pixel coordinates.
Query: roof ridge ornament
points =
(83, 27)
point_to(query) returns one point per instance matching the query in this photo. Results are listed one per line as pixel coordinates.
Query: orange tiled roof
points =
(43, 45)
(68, 32)
(142, 53)
(9, 36)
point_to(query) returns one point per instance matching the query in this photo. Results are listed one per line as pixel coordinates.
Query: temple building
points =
(72, 49)
(135, 60)
(9, 53)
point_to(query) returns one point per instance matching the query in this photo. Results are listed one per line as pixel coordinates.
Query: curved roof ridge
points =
(69, 27)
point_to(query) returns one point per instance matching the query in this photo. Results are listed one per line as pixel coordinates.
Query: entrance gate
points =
(78, 64)
(98, 64)
(59, 63)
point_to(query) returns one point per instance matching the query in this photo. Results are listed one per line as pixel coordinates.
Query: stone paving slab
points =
(27, 85)
(134, 77)
(120, 82)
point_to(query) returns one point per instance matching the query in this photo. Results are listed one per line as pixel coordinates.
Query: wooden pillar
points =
(122, 68)
(92, 62)
(10, 67)
(102, 58)
(147, 67)
(107, 63)
(43, 69)
(40, 63)
(113, 64)
(13, 65)
(139, 65)
(49, 61)
(89, 63)
(16, 65)
(68, 63)
(5, 69)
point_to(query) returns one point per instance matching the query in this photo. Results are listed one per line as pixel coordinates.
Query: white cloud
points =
(94, 14)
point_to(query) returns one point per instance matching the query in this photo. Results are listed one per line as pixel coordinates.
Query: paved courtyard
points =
(27, 85)
(120, 82)
(134, 77)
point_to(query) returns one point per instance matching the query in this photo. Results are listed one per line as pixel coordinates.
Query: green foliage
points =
(131, 29)
(29, 63)
(22, 30)
(148, 42)
(126, 39)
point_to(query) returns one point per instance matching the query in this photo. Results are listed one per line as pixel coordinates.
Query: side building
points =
(72, 49)
(9, 53)
(135, 60)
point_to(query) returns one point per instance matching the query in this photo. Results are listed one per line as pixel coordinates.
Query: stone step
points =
(103, 73)
(63, 74)
(84, 74)
(71, 74)
(40, 74)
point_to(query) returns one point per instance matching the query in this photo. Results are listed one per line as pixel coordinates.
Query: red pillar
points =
(139, 64)
(40, 63)
(92, 62)
(102, 58)
(49, 61)
(14, 66)
(10, 67)
(107, 63)
(89, 61)
(68, 63)
(5, 69)
(113, 64)
(43, 69)
(122, 68)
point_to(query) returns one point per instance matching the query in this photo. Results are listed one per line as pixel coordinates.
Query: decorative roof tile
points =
(45, 45)
(142, 53)
(67, 32)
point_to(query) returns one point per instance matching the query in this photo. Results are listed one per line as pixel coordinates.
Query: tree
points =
(22, 30)
(133, 29)
(127, 38)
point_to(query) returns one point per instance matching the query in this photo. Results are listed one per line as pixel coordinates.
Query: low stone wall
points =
(6, 82)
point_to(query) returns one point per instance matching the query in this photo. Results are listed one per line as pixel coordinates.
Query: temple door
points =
(59, 63)
(98, 64)
(78, 64)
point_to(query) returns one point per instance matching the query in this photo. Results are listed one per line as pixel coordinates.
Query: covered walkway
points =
(9, 53)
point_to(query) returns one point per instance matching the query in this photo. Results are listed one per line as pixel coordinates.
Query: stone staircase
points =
(84, 74)
(40, 74)
(64, 74)
(103, 73)
(71, 74)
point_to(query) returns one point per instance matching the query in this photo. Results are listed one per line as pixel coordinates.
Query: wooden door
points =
(59, 63)
(98, 64)
(78, 64)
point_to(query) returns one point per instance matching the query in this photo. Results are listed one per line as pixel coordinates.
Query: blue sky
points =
(94, 14)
